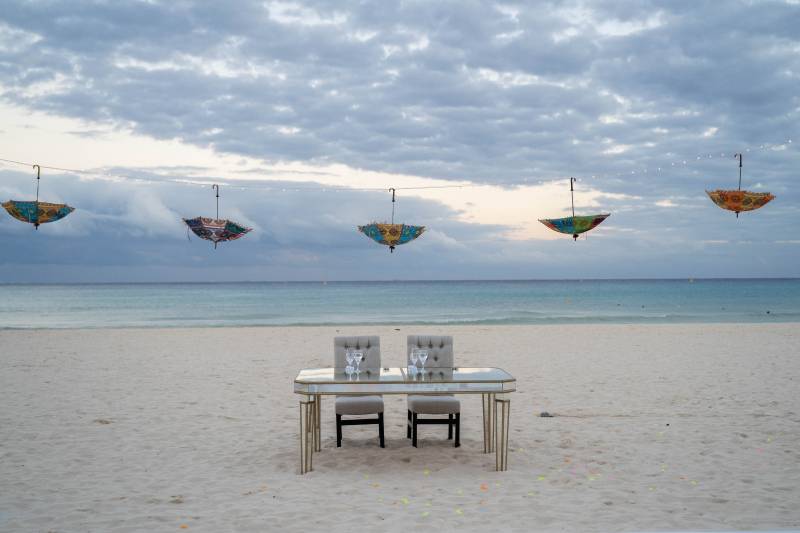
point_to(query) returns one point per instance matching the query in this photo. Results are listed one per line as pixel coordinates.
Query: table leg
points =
(317, 424)
(306, 435)
(488, 422)
(502, 421)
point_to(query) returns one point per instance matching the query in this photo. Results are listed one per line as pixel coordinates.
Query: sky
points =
(306, 113)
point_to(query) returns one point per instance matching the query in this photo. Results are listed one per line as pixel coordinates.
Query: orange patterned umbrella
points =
(739, 200)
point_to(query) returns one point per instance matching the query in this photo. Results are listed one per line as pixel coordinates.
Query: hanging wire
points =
(517, 183)
(184, 181)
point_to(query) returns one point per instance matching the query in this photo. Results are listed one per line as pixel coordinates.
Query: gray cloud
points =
(485, 91)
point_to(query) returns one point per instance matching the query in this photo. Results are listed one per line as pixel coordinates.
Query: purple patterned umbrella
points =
(216, 229)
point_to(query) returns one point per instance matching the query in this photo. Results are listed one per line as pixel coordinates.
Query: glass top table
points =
(451, 380)
(493, 384)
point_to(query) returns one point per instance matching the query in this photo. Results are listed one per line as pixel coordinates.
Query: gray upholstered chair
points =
(440, 356)
(363, 404)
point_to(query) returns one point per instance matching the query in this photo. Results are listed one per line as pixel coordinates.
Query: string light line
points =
(669, 165)
(685, 162)
(185, 181)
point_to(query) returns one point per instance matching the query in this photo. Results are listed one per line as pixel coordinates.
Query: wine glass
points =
(423, 356)
(359, 356)
(348, 355)
(413, 356)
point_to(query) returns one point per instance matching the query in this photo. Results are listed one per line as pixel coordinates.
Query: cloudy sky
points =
(295, 108)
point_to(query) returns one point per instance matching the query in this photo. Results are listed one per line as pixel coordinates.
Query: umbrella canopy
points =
(574, 225)
(37, 212)
(216, 229)
(739, 200)
(391, 234)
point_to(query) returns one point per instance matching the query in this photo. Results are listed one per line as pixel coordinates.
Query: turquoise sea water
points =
(431, 302)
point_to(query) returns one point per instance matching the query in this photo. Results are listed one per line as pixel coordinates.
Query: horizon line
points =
(463, 280)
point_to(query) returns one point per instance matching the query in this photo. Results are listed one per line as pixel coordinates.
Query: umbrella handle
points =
(215, 186)
(38, 178)
(739, 156)
(572, 196)
(393, 193)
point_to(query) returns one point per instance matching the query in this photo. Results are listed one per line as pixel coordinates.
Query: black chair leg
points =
(449, 427)
(380, 428)
(338, 431)
(414, 429)
(408, 425)
(458, 430)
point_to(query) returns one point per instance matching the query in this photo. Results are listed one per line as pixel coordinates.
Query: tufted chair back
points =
(370, 345)
(440, 350)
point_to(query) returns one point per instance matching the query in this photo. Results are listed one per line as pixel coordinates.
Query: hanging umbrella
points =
(739, 200)
(391, 234)
(37, 212)
(574, 225)
(216, 229)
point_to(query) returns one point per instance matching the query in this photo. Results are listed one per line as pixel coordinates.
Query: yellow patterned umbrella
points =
(391, 234)
(739, 200)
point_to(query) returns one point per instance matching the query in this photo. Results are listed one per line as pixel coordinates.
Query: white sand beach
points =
(657, 427)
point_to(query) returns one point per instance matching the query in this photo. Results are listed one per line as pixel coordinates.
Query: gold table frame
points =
(493, 384)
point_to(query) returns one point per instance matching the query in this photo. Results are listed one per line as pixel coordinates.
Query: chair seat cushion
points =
(439, 404)
(359, 405)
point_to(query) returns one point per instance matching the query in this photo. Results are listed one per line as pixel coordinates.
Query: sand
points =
(656, 427)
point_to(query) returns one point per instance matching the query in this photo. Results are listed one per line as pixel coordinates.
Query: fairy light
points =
(526, 181)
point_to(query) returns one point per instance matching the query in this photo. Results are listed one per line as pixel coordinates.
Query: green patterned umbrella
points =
(574, 225)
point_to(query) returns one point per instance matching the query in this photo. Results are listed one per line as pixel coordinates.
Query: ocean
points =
(401, 302)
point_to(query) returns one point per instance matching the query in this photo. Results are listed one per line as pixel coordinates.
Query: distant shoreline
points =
(423, 303)
(397, 326)
(412, 281)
